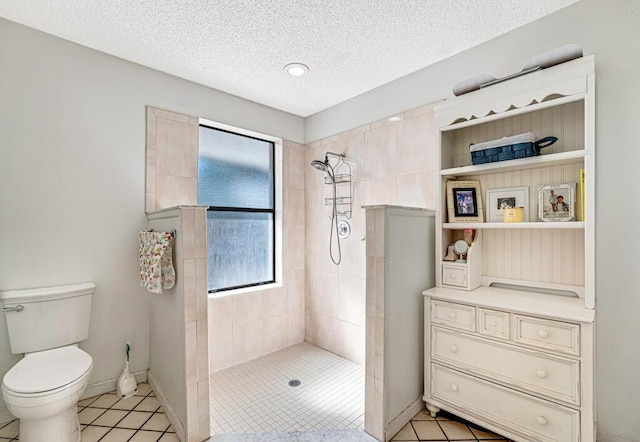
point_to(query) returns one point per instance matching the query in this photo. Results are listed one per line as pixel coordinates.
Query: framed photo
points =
(464, 202)
(557, 202)
(499, 199)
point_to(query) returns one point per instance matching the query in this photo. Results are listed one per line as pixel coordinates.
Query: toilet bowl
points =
(42, 390)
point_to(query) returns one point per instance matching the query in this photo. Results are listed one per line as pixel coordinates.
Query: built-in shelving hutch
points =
(509, 334)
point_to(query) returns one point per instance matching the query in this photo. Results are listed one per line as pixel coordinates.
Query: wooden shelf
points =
(554, 159)
(516, 226)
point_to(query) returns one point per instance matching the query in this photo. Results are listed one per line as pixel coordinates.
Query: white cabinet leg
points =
(433, 410)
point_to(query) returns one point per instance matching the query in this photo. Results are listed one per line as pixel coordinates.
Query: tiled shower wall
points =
(246, 326)
(393, 163)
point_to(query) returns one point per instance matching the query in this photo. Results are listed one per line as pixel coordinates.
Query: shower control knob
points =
(344, 229)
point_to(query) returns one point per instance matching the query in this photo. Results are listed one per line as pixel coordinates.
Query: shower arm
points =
(337, 155)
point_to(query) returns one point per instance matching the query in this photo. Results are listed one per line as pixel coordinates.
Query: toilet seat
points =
(45, 372)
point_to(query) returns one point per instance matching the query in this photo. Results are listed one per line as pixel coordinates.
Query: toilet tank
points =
(48, 317)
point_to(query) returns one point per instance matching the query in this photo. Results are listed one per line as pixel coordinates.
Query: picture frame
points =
(557, 202)
(499, 199)
(464, 202)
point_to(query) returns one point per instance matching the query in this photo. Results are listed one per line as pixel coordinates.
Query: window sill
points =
(244, 290)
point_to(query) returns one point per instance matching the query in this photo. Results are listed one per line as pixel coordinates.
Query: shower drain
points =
(294, 383)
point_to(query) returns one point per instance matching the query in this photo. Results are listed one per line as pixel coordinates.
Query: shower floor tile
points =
(255, 397)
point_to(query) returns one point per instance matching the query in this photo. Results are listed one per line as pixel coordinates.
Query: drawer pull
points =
(454, 387)
(454, 349)
(453, 276)
(452, 315)
(493, 323)
(541, 420)
(543, 334)
(541, 374)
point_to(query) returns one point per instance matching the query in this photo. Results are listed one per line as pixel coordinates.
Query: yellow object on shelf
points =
(514, 215)
(582, 189)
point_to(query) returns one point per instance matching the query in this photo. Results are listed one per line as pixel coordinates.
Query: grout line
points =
(414, 430)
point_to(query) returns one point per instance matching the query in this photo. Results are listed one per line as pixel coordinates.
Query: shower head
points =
(320, 165)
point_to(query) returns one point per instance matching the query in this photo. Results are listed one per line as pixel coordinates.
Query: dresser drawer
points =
(551, 376)
(533, 418)
(493, 323)
(454, 275)
(453, 315)
(547, 334)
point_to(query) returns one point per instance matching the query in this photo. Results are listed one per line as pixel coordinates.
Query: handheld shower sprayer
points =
(326, 168)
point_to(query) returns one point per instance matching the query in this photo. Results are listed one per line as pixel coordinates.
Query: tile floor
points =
(444, 427)
(107, 418)
(255, 397)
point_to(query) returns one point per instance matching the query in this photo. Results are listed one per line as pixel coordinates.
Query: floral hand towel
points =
(156, 266)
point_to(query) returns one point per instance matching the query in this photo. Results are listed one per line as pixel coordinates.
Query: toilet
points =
(43, 388)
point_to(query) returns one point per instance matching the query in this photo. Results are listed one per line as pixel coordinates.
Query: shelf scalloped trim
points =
(511, 100)
(511, 107)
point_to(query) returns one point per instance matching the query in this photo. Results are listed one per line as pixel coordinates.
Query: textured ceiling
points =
(241, 46)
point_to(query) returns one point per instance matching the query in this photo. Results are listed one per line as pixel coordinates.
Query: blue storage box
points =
(508, 148)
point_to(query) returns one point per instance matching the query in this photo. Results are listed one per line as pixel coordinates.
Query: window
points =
(236, 179)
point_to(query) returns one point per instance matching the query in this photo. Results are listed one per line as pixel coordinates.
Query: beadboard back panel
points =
(565, 122)
(549, 256)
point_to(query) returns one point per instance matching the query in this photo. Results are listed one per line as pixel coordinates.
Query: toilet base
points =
(63, 427)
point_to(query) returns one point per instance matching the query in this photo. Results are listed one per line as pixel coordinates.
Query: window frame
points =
(276, 210)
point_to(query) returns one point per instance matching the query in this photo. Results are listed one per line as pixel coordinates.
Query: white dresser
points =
(511, 361)
(509, 330)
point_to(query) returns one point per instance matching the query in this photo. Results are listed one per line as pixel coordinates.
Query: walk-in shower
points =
(340, 172)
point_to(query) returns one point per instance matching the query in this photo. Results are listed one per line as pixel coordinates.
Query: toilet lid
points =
(47, 370)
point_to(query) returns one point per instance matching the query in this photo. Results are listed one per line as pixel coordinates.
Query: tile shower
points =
(394, 164)
(318, 302)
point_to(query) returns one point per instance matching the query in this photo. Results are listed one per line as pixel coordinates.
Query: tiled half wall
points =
(178, 344)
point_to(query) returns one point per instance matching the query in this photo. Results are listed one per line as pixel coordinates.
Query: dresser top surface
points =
(518, 301)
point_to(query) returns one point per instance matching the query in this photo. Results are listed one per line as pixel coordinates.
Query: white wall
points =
(72, 161)
(611, 31)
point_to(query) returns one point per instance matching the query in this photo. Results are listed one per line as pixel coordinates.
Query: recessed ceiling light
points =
(296, 69)
(395, 118)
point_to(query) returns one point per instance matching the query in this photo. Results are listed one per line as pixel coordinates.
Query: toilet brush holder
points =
(127, 385)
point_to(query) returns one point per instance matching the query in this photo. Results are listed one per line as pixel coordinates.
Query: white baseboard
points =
(403, 418)
(110, 385)
(177, 425)
(609, 437)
